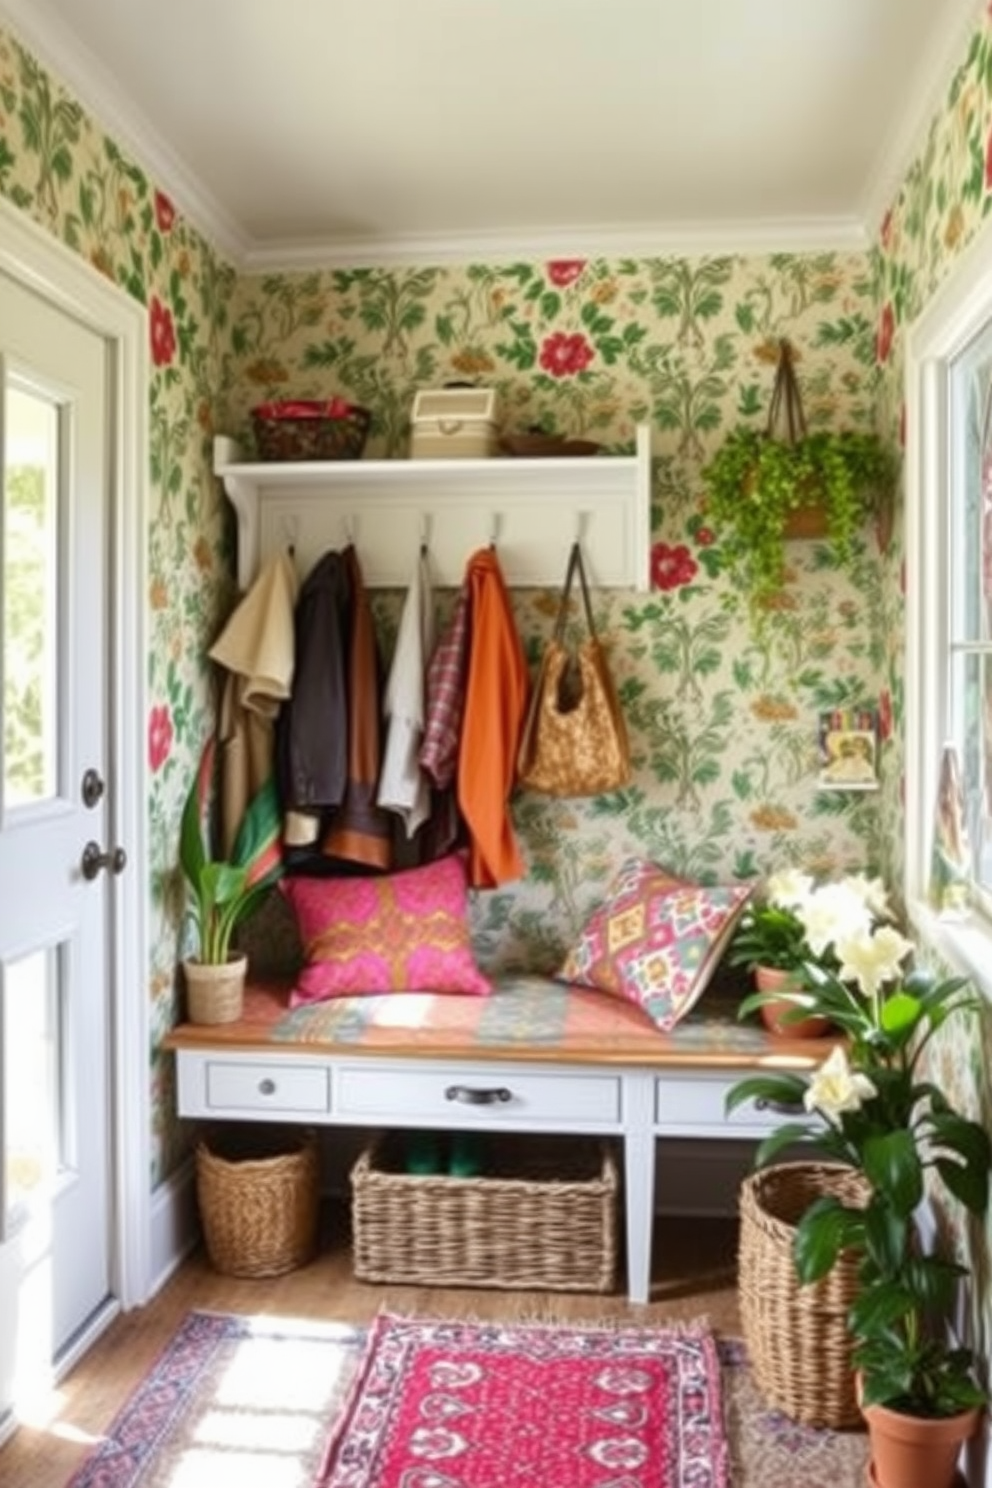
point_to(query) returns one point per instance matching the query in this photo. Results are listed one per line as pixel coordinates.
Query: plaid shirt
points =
(446, 696)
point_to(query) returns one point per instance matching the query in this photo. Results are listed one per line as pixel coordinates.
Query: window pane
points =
(32, 1108)
(30, 593)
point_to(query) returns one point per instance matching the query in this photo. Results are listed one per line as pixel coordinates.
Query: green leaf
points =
(825, 1229)
(901, 1013)
(892, 1166)
(784, 1090)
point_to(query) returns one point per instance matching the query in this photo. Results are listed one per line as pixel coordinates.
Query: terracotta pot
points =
(771, 979)
(914, 1451)
(215, 993)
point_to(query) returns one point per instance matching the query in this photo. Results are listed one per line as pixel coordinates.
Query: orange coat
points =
(496, 689)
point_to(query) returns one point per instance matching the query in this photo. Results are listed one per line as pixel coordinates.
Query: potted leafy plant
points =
(765, 485)
(870, 1108)
(220, 894)
(789, 922)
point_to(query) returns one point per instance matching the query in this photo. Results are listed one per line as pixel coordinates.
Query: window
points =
(968, 571)
(949, 584)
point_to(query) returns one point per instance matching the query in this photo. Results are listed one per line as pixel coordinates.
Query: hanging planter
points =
(765, 487)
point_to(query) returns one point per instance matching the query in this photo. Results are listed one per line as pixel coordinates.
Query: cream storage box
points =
(454, 424)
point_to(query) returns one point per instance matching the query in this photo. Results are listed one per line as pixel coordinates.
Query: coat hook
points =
(494, 526)
(349, 530)
(425, 533)
(289, 535)
(581, 520)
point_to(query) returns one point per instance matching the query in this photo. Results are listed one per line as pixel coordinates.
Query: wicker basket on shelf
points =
(797, 1336)
(306, 429)
(541, 1216)
(258, 1194)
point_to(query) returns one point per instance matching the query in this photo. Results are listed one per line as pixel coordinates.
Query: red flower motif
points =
(159, 736)
(672, 567)
(562, 271)
(165, 212)
(562, 355)
(163, 333)
(886, 331)
(705, 537)
(885, 714)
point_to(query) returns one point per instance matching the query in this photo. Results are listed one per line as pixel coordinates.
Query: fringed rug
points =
(270, 1403)
(450, 1404)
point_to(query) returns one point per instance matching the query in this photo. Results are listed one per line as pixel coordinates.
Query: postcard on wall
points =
(849, 749)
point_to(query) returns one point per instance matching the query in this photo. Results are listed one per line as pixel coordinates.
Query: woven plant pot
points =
(259, 1199)
(797, 1336)
(215, 993)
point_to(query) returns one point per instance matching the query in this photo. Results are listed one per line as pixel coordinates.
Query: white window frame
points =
(961, 307)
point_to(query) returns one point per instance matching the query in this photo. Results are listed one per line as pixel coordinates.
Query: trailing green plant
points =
(220, 893)
(759, 478)
(755, 482)
(869, 1107)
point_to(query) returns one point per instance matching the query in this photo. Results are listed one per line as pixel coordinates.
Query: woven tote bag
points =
(574, 740)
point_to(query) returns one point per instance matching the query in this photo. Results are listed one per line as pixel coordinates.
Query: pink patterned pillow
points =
(655, 940)
(403, 932)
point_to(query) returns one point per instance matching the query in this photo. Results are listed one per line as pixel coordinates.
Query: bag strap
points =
(575, 565)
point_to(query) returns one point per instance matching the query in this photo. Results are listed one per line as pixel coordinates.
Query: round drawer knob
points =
(266, 1087)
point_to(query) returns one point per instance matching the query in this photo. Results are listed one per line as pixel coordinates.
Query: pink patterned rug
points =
(450, 1404)
(251, 1401)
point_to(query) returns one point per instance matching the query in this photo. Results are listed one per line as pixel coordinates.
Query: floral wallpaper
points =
(723, 725)
(943, 201)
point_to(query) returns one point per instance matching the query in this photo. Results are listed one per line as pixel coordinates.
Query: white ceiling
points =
(321, 131)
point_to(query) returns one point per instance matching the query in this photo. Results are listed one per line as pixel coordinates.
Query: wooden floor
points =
(695, 1277)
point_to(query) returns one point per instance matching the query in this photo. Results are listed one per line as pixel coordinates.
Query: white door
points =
(56, 1188)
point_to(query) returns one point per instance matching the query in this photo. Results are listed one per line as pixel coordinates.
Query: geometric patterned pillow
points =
(398, 932)
(655, 940)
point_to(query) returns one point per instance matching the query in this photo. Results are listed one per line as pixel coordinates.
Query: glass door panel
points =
(30, 597)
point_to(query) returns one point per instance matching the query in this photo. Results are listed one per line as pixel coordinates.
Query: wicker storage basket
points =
(259, 1195)
(542, 1216)
(796, 1335)
(301, 429)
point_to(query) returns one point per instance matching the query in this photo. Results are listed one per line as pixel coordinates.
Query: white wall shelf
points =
(532, 509)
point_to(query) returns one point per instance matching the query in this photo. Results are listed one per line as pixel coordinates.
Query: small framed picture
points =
(848, 750)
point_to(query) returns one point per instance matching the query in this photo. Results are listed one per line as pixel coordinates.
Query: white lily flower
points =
(874, 959)
(835, 1087)
(873, 893)
(788, 889)
(833, 912)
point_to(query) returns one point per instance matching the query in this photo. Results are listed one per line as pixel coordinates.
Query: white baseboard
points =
(175, 1225)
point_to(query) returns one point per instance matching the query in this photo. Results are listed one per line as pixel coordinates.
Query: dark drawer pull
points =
(471, 1097)
(266, 1087)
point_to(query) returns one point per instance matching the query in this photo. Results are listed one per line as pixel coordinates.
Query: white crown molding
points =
(37, 27)
(634, 240)
(925, 93)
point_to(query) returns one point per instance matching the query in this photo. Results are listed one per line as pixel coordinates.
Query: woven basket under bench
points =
(796, 1336)
(543, 1216)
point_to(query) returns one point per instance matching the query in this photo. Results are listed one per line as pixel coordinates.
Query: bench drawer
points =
(262, 1088)
(693, 1105)
(454, 1098)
